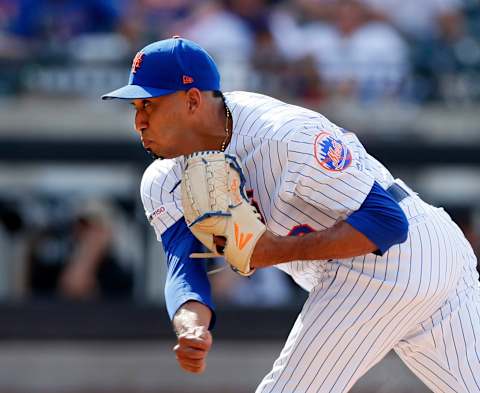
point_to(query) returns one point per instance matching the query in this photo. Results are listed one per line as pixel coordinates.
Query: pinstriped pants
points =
(422, 299)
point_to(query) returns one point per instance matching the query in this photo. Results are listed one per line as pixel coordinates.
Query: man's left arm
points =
(377, 225)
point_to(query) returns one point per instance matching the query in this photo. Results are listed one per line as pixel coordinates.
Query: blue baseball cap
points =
(167, 66)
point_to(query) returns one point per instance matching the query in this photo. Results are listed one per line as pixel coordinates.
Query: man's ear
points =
(194, 99)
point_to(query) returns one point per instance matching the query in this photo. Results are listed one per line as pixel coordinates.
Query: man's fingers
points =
(199, 339)
(192, 349)
(190, 359)
(191, 363)
(195, 370)
(190, 353)
(193, 342)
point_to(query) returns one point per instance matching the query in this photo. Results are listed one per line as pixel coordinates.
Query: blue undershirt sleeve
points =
(186, 278)
(381, 219)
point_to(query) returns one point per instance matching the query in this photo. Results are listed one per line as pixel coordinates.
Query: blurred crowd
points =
(310, 50)
(53, 247)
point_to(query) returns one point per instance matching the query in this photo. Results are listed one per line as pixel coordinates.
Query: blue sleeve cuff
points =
(187, 278)
(380, 219)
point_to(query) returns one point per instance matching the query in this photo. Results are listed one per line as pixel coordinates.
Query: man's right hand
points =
(192, 349)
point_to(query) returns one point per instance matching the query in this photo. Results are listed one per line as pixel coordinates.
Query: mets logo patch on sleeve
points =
(332, 154)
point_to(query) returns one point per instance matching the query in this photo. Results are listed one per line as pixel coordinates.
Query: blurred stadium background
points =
(81, 275)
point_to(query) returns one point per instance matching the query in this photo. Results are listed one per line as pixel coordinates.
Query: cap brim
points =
(133, 92)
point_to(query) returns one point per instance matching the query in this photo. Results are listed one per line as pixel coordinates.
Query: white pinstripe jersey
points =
(304, 172)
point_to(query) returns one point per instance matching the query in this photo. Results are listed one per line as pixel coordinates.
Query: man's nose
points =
(141, 122)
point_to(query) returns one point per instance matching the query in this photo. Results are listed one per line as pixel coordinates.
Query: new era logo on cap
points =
(167, 66)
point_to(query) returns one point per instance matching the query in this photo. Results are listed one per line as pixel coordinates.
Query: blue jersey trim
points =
(381, 219)
(186, 278)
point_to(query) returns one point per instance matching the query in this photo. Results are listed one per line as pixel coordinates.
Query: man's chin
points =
(155, 156)
(165, 155)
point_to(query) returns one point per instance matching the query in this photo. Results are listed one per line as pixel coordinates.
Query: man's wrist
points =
(191, 315)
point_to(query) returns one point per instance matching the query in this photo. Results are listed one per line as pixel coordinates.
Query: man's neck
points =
(216, 130)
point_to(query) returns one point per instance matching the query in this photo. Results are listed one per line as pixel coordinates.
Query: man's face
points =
(161, 124)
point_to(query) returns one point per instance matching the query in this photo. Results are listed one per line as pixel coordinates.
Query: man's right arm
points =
(187, 288)
(188, 297)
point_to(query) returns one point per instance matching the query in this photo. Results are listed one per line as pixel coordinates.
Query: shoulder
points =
(311, 129)
(257, 115)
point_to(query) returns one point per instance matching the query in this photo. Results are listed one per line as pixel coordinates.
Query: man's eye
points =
(146, 104)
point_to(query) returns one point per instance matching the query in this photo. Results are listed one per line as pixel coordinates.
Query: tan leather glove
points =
(215, 204)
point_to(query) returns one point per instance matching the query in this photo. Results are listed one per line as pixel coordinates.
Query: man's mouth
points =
(147, 146)
(146, 143)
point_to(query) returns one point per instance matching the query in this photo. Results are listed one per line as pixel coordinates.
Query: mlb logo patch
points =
(157, 213)
(332, 154)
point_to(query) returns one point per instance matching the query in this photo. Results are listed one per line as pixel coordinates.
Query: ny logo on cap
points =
(137, 62)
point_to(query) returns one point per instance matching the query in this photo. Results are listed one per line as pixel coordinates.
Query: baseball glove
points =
(215, 204)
